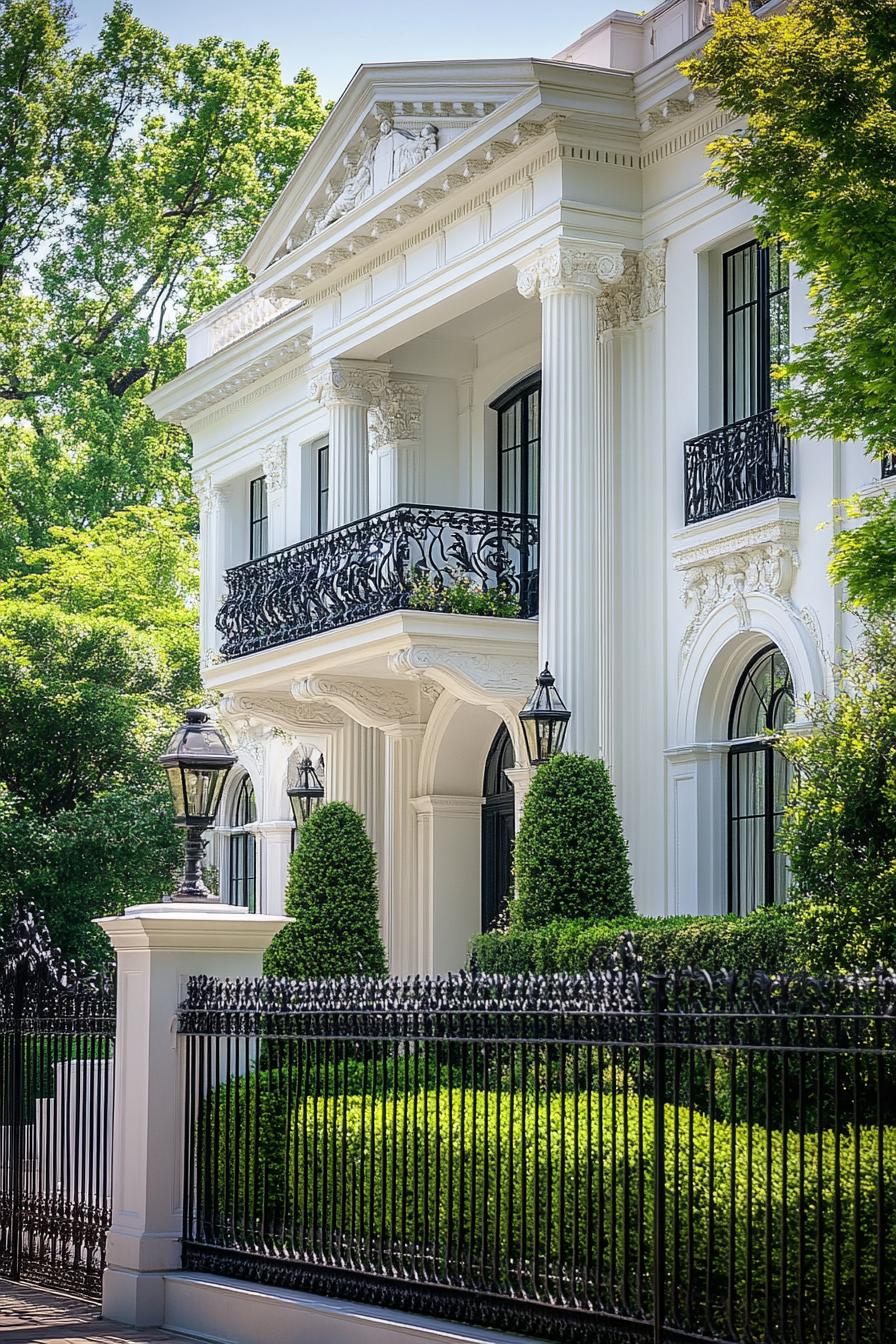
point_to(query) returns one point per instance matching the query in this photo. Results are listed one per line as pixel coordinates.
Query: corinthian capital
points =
(208, 494)
(397, 417)
(349, 381)
(564, 264)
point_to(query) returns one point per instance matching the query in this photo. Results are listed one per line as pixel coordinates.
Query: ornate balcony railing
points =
(374, 566)
(736, 465)
(888, 466)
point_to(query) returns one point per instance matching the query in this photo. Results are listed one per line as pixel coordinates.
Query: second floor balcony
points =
(740, 464)
(409, 556)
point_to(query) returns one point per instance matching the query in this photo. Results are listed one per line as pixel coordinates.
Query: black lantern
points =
(308, 794)
(545, 719)
(197, 761)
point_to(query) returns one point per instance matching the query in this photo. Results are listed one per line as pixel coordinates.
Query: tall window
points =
(241, 886)
(497, 829)
(519, 462)
(758, 780)
(258, 517)
(323, 488)
(757, 326)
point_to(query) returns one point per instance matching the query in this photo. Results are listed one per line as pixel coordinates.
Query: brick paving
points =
(34, 1316)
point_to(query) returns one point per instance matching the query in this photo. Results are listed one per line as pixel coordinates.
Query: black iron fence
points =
(599, 1157)
(57, 1037)
(736, 465)
(371, 567)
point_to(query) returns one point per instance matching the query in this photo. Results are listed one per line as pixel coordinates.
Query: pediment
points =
(389, 122)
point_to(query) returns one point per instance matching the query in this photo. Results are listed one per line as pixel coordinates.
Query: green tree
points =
(816, 86)
(864, 557)
(332, 898)
(571, 858)
(85, 821)
(839, 831)
(133, 176)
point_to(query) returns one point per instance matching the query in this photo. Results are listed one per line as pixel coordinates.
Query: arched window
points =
(497, 829)
(519, 471)
(241, 884)
(758, 780)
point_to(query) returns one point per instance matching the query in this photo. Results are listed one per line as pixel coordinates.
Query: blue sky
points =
(334, 37)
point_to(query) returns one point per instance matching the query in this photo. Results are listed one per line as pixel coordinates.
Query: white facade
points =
(454, 230)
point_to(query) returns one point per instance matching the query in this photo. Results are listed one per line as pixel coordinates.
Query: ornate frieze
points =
(273, 464)
(394, 152)
(344, 381)
(728, 569)
(472, 676)
(274, 358)
(397, 416)
(279, 712)
(373, 704)
(566, 264)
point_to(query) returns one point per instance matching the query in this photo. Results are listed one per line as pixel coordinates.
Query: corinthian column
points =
(575, 625)
(347, 388)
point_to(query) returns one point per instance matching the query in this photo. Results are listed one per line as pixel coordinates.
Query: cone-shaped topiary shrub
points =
(332, 898)
(571, 855)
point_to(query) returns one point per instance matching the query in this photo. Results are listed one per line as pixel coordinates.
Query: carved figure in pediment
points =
(394, 152)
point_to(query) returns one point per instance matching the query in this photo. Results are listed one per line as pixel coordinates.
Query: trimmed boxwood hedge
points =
(570, 858)
(769, 939)
(349, 1168)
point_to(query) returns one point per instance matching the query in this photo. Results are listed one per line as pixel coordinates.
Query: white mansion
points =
(502, 333)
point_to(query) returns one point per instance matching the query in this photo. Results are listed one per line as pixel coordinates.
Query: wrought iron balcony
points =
(389, 561)
(736, 465)
(888, 466)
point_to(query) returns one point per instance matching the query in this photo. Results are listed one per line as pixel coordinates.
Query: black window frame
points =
(242, 877)
(323, 491)
(521, 393)
(258, 517)
(766, 760)
(759, 318)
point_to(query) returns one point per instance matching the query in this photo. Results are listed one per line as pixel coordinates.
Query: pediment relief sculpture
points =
(394, 152)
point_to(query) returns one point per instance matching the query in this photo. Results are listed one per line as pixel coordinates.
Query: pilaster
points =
(395, 426)
(273, 464)
(355, 776)
(399, 884)
(449, 907)
(347, 388)
(211, 563)
(521, 777)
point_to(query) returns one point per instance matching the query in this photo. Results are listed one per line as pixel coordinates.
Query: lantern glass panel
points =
(175, 780)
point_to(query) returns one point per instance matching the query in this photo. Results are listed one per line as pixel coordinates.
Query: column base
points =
(134, 1298)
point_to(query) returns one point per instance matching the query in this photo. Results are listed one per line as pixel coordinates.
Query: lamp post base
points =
(192, 887)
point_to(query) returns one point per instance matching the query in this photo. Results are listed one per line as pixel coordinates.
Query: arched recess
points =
(236, 855)
(449, 826)
(697, 760)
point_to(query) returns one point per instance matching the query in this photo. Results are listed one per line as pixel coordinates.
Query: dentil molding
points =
(568, 265)
(274, 358)
(349, 381)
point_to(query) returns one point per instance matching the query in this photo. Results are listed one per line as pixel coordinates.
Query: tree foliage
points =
(839, 831)
(571, 857)
(817, 88)
(133, 176)
(332, 899)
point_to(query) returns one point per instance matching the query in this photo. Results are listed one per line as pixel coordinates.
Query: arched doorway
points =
(497, 829)
(758, 781)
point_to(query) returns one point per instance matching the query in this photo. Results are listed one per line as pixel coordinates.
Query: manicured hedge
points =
(767, 940)
(350, 1169)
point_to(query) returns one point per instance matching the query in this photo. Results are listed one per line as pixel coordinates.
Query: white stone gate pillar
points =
(157, 948)
(575, 632)
(347, 387)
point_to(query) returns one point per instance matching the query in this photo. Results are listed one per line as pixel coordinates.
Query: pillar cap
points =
(193, 926)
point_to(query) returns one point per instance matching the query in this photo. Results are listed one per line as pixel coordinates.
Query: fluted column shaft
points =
(400, 912)
(355, 776)
(347, 388)
(396, 448)
(575, 578)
